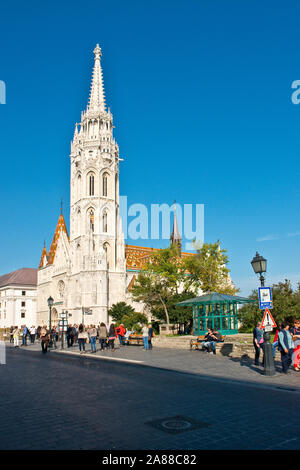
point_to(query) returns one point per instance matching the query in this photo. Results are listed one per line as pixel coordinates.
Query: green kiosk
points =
(215, 311)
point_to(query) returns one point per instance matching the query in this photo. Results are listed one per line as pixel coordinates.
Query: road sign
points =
(265, 298)
(268, 322)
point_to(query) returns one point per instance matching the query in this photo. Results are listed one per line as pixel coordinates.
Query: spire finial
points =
(97, 100)
(97, 52)
(61, 205)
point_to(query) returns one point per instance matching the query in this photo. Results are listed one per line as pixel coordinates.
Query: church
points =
(91, 268)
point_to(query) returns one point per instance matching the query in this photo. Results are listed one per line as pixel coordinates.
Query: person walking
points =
(93, 337)
(145, 337)
(295, 332)
(24, 335)
(82, 336)
(32, 334)
(11, 334)
(285, 346)
(258, 334)
(121, 333)
(102, 336)
(112, 336)
(70, 336)
(44, 333)
(16, 336)
(275, 343)
(151, 334)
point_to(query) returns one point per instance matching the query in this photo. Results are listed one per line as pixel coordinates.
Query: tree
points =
(125, 314)
(286, 306)
(118, 310)
(207, 270)
(158, 285)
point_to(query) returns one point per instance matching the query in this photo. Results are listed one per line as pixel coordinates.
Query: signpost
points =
(63, 326)
(268, 322)
(265, 298)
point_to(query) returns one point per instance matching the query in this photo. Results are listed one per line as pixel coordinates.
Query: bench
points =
(135, 339)
(196, 342)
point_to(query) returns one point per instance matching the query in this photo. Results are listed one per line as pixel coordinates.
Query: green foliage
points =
(208, 271)
(125, 314)
(168, 279)
(286, 306)
(118, 310)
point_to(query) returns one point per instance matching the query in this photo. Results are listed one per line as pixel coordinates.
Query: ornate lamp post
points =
(50, 303)
(259, 265)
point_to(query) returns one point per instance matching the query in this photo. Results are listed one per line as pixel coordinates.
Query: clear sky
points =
(201, 97)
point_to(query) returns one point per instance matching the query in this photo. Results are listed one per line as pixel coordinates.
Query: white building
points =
(18, 295)
(91, 268)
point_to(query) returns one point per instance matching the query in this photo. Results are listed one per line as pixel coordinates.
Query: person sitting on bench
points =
(209, 343)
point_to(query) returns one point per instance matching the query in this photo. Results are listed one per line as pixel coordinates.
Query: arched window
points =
(104, 184)
(91, 220)
(91, 184)
(104, 220)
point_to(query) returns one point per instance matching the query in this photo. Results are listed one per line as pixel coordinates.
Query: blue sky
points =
(201, 97)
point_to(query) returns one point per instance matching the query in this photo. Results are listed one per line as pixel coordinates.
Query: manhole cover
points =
(177, 424)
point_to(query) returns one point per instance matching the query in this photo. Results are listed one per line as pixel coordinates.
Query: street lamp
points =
(50, 303)
(259, 265)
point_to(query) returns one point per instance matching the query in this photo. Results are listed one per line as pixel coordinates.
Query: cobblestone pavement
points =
(62, 401)
(196, 362)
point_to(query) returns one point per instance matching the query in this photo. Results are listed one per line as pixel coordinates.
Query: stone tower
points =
(97, 247)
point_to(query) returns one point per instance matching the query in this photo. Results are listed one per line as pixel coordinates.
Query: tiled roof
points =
(61, 226)
(137, 256)
(22, 277)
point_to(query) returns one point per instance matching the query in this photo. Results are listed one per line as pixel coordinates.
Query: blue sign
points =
(265, 298)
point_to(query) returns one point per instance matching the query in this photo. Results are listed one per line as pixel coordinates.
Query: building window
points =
(23, 304)
(23, 292)
(92, 220)
(104, 184)
(91, 185)
(22, 314)
(105, 222)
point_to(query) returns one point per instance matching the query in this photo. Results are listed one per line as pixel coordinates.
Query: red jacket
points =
(121, 330)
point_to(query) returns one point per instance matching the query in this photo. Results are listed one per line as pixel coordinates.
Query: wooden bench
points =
(196, 342)
(135, 339)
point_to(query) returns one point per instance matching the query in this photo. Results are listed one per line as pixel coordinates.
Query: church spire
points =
(97, 100)
(175, 236)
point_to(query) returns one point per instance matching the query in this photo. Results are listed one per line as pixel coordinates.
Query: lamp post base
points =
(269, 367)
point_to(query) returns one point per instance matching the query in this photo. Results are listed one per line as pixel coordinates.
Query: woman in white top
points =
(145, 336)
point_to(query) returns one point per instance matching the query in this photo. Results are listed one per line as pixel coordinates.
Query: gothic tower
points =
(96, 238)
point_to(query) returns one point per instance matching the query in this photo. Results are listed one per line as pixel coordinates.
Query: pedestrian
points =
(258, 334)
(93, 337)
(145, 337)
(275, 343)
(44, 333)
(32, 334)
(16, 336)
(38, 332)
(24, 335)
(82, 336)
(102, 336)
(70, 336)
(11, 334)
(295, 332)
(151, 334)
(285, 346)
(121, 333)
(112, 336)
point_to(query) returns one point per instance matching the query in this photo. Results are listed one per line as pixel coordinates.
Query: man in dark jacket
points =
(209, 343)
(258, 334)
